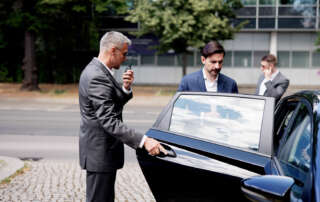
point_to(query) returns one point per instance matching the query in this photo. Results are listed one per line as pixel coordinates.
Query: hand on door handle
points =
(170, 152)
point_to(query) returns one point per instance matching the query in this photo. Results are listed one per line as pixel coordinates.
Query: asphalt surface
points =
(58, 176)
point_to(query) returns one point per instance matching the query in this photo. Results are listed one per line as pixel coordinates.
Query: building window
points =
(300, 59)
(132, 59)
(246, 11)
(198, 59)
(257, 56)
(267, 2)
(290, 23)
(242, 58)
(304, 11)
(283, 59)
(166, 60)
(296, 2)
(267, 11)
(316, 59)
(147, 59)
(190, 60)
(251, 22)
(278, 14)
(266, 23)
(227, 60)
(249, 2)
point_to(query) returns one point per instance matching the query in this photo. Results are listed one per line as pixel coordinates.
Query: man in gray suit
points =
(271, 83)
(102, 132)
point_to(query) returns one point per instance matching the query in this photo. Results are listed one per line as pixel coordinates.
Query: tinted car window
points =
(295, 153)
(233, 121)
(282, 118)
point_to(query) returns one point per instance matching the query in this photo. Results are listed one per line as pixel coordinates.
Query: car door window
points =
(234, 121)
(282, 117)
(295, 152)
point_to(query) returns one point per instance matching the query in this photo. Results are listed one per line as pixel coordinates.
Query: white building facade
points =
(286, 28)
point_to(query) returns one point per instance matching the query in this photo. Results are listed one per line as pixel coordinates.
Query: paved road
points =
(64, 121)
(45, 135)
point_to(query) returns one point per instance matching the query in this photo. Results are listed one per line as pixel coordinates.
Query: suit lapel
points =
(202, 85)
(108, 74)
(277, 78)
(275, 82)
(220, 87)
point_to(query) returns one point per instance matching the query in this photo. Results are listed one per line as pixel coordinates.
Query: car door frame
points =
(255, 161)
(275, 162)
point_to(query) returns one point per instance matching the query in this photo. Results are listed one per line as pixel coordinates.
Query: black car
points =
(234, 147)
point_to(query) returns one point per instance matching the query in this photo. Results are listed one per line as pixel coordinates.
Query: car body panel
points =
(258, 188)
(206, 135)
(308, 188)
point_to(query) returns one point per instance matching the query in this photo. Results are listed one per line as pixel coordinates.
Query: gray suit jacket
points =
(275, 88)
(102, 132)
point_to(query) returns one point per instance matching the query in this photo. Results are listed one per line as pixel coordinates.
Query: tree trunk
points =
(30, 80)
(184, 64)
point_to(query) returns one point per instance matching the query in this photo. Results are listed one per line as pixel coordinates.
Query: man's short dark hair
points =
(270, 59)
(211, 48)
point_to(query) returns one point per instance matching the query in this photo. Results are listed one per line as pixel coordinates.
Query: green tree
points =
(180, 24)
(45, 28)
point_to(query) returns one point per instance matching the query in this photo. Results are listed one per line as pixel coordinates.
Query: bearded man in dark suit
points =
(209, 78)
(102, 132)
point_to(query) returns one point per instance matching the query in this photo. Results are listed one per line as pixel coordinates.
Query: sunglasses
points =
(124, 54)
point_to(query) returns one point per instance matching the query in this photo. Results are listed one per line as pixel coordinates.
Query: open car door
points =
(214, 141)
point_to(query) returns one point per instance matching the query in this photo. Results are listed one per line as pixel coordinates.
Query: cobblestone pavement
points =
(63, 180)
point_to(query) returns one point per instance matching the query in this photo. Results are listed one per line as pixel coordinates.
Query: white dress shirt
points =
(211, 86)
(112, 73)
(263, 87)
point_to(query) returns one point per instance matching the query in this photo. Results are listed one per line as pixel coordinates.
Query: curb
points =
(8, 166)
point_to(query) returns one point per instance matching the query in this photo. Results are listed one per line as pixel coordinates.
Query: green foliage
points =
(3, 43)
(119, 6)
(18, 75)
(59, 91)
(4, 74)
(180, 24)
(65, 30)
(21, 171)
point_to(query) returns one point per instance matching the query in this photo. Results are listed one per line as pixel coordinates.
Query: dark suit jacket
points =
(275, 88)
(102, 132)
(195, 82)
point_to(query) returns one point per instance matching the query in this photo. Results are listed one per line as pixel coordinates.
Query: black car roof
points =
(312, 95)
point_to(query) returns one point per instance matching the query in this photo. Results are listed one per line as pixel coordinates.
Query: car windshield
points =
(234, 121)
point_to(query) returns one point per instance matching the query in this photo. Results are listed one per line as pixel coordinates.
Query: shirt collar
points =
(205, 76)
(274, 75)
(110, 71)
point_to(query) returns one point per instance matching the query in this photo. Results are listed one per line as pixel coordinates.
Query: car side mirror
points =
(267, 188)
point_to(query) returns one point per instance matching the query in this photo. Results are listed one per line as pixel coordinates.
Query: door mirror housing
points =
(267, 188)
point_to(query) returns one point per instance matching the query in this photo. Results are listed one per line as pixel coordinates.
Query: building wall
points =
(286, 28)
(296, 52)
(243, 76)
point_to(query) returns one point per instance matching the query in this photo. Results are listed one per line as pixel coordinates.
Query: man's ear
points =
(113, 50)
(272, 66)
(203, 60)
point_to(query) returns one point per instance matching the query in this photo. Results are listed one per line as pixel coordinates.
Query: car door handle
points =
(170, 152)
